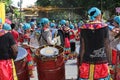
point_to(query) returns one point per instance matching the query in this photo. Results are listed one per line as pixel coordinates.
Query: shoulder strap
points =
(42, 37)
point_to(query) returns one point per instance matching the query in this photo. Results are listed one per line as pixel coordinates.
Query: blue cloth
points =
(26, 26)
(117, 19)
(52, 25)
(0, 20)
(63, 22)
(53, 32)
(44, 21)
(106, 78)
(32, 23)
(71, 26)
(111, 27)
(6, 27)
(97, 12)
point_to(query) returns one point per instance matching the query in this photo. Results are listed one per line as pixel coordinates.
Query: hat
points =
(26, 26)
(32, 23)
(117, 19)
(0, 20)
(71, 26)
(63, 22)
(6, 27)
(93, 12)
(44, 21)
(52, 25)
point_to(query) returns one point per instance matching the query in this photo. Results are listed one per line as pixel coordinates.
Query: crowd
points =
(91, 42)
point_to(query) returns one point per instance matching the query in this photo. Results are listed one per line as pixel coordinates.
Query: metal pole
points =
(20, 10)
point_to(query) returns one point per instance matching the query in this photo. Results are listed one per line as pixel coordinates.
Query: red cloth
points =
(29, 56)
(6, 72)
(67, 43)
(15, 35)
(100, 70)
(72, 35)
(114, 56)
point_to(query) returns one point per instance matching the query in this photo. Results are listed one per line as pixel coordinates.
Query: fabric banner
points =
(2, 12)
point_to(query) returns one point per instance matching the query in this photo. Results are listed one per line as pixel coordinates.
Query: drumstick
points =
(32, 47)
(29, 46)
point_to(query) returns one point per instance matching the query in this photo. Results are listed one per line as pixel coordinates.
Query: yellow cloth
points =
(14, 71)
(2, 12)
(91, 76)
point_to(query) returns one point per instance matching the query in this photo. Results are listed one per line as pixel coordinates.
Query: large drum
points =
(21, 64)
(50, 63)
(117, 66)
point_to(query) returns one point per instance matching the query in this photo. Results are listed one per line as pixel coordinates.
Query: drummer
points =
(53, 30)
(27, 28)
(45, 37)
(14, 32)
(115, 40)
(115, 25)
(8, 52)
(114, 34)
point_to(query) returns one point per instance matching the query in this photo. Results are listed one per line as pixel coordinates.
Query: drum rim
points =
(38, 50)
(51, 54)
(17, 59)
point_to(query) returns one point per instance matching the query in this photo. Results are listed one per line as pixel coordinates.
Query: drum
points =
(50, 63)
(21, 64)
(117, 66)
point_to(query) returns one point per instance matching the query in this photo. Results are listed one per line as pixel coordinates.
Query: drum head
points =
(118, 47)
(22, 53)
(49, 51)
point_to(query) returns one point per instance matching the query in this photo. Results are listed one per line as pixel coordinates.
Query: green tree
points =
(83, 5)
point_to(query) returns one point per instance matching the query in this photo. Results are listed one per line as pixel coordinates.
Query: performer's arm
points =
(49, 39)
(107, 46)
(114, 29)
(81, 52)
(15, 50)
(13, 45)
(108, 51)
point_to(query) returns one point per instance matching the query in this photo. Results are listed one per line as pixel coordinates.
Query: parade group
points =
(94, 43)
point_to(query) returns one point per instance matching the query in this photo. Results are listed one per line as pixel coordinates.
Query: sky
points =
(25, 3)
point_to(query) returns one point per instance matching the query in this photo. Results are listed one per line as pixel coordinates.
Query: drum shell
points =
(21, 64)
(22, 70)
(51, 69)
(116, 63)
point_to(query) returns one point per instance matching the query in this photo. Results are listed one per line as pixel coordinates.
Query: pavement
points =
(70, 70)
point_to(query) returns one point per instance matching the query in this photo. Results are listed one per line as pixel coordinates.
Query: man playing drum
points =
(46, 36)
(115, 45)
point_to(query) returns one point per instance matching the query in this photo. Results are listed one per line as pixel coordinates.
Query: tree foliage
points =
(109, 5)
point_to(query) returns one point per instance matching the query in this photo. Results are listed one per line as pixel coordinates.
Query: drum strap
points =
(42, 37)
